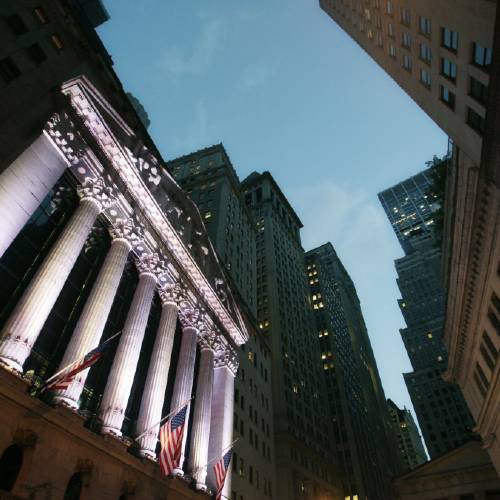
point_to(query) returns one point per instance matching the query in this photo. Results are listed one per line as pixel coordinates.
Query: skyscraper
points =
(412, 207)
(305, 459)
(409, 440)
(363, 434)
(212, 183)
(441, 54)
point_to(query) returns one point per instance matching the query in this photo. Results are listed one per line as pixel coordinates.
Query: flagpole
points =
(222, 453)
(163, 419)
(71, 364)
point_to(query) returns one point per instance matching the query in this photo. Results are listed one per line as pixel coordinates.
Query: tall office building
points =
(364, 438)
(441, 54)
(412, 208)
(409, 441)
(305, 460)
(212, 183)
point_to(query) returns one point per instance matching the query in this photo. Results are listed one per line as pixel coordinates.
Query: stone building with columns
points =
(97, 239)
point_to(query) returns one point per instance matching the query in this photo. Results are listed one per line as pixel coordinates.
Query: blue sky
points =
(287, 91)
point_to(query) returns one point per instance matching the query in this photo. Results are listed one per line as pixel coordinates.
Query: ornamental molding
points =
(227, 358)
(209, 338)
(172, 293)
(126, 229)
(97, 191)
(150, 263)
(142, 176)
(62, 133)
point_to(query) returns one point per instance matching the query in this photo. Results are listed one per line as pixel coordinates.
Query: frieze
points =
(62, 132)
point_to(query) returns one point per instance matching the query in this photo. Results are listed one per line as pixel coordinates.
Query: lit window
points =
(429, 335)
(40, 15)
(440, 358)
(250, 356)
(57, 42)
(208, 215)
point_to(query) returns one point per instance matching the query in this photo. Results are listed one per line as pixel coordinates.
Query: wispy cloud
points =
(256, 75)
(179, 61)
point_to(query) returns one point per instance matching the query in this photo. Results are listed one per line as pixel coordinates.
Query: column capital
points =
(127, 230)
(150, 263)
(171, 293)
(191, 316)
(208, 338)
(97, 191)
(227, 358)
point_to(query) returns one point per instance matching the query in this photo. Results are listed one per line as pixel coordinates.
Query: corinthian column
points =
(221, 426)
(157, 377)
(24, 325)
(88, 330)
(121, 376)
(200, 432)
(183, 385)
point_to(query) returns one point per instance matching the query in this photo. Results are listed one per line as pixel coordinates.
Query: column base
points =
(200, 487)
(111, 431)
(66, 402)
(150, 455)
(11, 365)
(178, 472)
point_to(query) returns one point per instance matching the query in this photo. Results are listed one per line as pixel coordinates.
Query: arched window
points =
(10, 465)
(74, 488)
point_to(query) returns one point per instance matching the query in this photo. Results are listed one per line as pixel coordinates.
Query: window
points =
(447, 97)
(380, 40)
(406, 40)
(405, 16)
(449, 69)
(40, 15)
(16, 24)
(425, 26)
(425, 53)
(36, 53)
(389, 8)
(449, 39)
(478, 90)
(425, 77)
(8, 70)
(407, 62)
(481, 56)
(475, 121)
(390, 30)
(57, 42)
(392, 50)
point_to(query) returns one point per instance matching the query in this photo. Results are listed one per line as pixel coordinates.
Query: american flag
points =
(171, 434)
(63, 380)
(220, 469)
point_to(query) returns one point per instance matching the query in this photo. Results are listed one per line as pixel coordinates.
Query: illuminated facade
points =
(101, 239)
(409, 440)
(363, 434)
(412, 207)
(212, 183)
